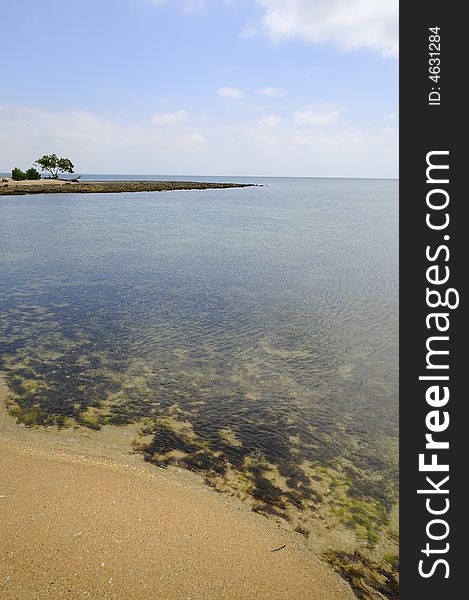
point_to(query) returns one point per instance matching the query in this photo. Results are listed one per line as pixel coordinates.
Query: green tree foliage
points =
(54, 165)
(33, 173)
(18, 174)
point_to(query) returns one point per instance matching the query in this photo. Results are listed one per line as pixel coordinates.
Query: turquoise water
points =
(251, 331)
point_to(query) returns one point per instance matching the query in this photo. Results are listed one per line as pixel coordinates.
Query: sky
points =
(202, 87)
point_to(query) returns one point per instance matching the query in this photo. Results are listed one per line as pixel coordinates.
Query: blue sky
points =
(202, 87)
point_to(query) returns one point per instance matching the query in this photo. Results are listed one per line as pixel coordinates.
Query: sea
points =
(250, 333)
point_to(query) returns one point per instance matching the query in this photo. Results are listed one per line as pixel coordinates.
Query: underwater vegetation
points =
(240, 436)
(368, 580)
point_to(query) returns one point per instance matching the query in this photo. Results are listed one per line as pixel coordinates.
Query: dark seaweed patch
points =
(268, 510)
(295, 498)
(368, 580)
(205, 462)
(166, 440)
(302, 531)
(266, 491)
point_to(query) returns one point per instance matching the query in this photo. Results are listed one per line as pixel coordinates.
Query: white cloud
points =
(271, 121)
(350, 24)
(189, 6)
(272, 91)
(229, 92)
(327, 151)
(317, 116)
(249, 30)
(186, 6)
(98, 144)
(170, 118)
(94, 143)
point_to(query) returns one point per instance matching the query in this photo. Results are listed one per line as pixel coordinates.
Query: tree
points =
(33, 173)
(54, 165)
(18, 174)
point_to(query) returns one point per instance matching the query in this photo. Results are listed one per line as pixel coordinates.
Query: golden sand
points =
(83, 521)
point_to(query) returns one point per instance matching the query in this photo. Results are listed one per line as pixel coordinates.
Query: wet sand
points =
(88, 521)
(55, 186)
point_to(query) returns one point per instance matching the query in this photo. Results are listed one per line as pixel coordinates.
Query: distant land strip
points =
(85, 187)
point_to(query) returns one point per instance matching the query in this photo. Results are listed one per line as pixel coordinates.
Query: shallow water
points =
(252, 332)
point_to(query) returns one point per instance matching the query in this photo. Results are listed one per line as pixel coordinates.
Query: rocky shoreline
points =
(94, 187)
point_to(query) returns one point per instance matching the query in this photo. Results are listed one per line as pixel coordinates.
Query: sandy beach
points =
(88, 521)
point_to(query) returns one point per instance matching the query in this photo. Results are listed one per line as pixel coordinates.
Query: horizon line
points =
(393, 178)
